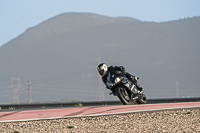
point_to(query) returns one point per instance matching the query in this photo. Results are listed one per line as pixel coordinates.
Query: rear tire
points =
(142, 99)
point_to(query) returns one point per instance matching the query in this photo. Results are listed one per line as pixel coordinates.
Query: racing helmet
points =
(102, 69)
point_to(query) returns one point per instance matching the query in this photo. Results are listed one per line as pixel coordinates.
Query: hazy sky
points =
(18, 15)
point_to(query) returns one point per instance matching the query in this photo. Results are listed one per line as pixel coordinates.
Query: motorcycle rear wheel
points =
(142, 99)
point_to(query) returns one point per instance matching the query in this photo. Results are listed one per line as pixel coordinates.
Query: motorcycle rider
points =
(103, 70)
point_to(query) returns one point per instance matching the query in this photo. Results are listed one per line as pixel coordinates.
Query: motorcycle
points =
(125, 90)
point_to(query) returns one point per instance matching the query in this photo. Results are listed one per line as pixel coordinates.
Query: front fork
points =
(132, 96)
(131, 89)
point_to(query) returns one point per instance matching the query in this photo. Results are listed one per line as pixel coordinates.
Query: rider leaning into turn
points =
(103, 70)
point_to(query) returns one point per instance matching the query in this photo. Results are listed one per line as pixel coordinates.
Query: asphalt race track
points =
(90, 111)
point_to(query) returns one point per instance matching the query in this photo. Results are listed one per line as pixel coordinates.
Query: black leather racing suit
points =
(121, 70)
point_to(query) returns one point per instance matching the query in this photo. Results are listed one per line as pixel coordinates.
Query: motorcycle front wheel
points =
(123, 95)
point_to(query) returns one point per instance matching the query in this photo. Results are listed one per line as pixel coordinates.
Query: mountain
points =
(59, 57)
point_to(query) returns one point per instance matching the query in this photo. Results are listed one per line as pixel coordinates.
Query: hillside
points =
(59, 57)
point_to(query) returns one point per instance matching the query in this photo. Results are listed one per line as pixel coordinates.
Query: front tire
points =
(123, 95)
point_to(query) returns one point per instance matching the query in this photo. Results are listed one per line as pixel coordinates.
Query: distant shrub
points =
(16, 132)
(70, 127)
(189, 112)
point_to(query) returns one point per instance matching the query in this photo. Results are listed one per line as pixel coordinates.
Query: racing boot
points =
(134, 79)
(139, 87)
(112, 93)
